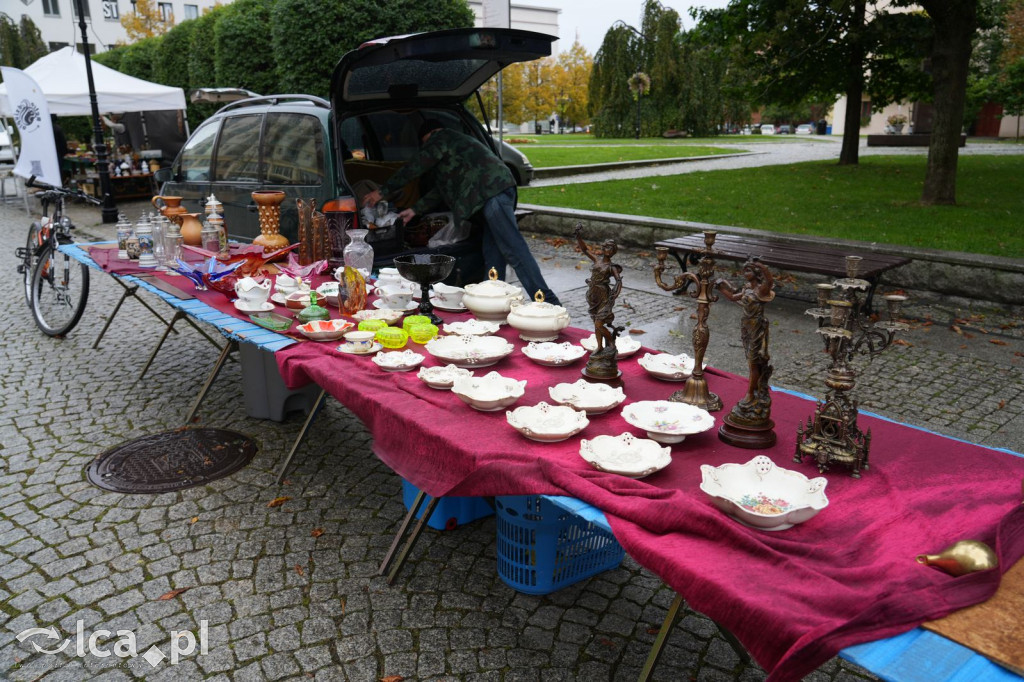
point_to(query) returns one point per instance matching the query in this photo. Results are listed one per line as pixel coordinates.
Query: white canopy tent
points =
(62, 78)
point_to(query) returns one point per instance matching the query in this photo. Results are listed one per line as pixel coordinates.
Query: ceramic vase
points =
(191, 227)
(268, 203)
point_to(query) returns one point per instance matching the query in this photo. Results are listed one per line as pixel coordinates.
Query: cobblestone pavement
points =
(291, 592)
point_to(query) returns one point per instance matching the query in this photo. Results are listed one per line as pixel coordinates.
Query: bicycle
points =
(56, 285)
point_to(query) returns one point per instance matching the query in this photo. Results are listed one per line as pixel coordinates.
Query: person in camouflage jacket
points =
(469, 178)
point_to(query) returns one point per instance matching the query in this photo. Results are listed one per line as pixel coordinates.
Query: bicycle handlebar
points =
(60, 191)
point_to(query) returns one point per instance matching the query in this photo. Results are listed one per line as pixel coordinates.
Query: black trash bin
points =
(822, 127)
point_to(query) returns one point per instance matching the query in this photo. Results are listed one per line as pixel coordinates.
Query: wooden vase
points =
(268, 203)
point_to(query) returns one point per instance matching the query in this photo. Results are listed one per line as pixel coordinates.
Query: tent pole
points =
(102, 167)
(188, 133)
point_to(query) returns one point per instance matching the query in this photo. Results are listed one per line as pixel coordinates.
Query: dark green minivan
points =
(314, 149)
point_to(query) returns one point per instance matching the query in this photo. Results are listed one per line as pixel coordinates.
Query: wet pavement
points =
(287, 588)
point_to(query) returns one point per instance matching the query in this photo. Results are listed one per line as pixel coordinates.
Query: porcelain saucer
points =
(278, 298)
(264, 307)
(384, 306)
(447, 308)
(348, 351)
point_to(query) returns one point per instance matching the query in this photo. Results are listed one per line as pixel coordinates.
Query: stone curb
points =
(974, 276)
(560, 171)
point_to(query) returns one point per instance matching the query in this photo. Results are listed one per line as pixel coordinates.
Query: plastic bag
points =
(450, 233)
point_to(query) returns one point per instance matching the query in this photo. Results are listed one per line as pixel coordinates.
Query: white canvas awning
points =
(61, 76)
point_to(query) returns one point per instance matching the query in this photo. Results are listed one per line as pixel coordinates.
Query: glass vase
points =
(358, 254)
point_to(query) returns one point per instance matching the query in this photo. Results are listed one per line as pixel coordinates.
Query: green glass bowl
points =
(412, 320)
(392, 337)
(421, 333)
(272, 321)
(372, 325)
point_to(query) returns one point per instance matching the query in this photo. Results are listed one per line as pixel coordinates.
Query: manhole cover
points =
(171, 461)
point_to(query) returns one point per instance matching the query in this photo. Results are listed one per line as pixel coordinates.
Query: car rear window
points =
(411, 77)
(293, 149)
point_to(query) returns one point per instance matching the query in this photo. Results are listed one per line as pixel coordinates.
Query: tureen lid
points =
(538, 307)
(493, 287)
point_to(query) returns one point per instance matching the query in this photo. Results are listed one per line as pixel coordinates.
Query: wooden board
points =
(995, 628)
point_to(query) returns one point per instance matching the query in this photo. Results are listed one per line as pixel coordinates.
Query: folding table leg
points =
(152, 356)
(228, 347)
(319, 403)
(411, 541)
(128, 291)
(666, 629)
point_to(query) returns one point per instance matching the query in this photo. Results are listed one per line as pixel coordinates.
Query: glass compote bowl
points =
(425, 269)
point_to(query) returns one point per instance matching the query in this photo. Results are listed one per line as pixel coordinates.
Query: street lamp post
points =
(102, 167)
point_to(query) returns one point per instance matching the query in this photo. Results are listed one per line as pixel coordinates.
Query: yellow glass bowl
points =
(392, 337)
(421, 333)
(412, 320)
(372, 325)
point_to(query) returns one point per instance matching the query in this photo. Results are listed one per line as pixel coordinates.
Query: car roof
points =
(440, 66)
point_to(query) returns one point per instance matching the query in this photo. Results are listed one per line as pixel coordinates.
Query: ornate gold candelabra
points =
(832, 434)
(695, 391)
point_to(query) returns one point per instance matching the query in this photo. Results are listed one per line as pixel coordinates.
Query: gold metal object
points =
(695, 391)
(832, 434)
(603, 289)
(960, 558)
(749, 424)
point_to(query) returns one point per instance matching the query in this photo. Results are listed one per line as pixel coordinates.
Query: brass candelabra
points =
(832, 434)
(695, 391)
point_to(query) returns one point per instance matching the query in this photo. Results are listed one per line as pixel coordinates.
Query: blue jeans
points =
(504, 244)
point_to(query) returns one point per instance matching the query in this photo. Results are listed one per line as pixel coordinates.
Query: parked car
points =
(805, 129)
(314, 149)
(767, 129)
(784, 129)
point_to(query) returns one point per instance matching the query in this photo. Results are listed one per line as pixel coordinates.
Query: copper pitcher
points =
(171, 205)
(191, 227)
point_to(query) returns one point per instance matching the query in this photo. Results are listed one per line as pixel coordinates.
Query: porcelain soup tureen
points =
(491, 300)
(537, 320)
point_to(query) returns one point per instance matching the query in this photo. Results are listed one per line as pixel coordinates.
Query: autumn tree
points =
(569, 85)
(145, 21)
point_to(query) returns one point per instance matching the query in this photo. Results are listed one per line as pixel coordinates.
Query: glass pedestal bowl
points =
(425, 269)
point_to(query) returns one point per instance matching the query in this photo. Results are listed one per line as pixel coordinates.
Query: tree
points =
(242, 24)
(145, 21)
(20, 45)
(611, 103)
(571, 77)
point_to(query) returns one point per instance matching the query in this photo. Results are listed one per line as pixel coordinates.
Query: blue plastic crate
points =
(451, 512)
(543, 548)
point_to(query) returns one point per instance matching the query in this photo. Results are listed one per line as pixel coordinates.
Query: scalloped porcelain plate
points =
(667, 422)
(591, 398)
(626, 455)
(552, 354)
(329, 290)
(469, 351)
(547, 423)
(471, 327)
(624, 345)
(762, 495)
(489, 393)
(443, 376)
(392, 317)
(398, 361)
(325, 330)
(668, 367)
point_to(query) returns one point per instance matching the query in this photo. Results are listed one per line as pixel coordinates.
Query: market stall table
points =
(794, 598)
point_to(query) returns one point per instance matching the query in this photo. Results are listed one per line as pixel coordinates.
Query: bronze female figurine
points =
(603, 289)
(749, 424)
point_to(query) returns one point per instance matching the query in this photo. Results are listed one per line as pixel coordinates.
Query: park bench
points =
(816, 258)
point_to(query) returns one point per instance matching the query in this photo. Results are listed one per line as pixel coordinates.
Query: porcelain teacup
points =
(449, 295)
(251, 292)
(286, 284)
(395, 297)
(359, 341)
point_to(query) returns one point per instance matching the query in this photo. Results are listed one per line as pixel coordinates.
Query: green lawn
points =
(875, 201)
(526, 142)
(546, 157)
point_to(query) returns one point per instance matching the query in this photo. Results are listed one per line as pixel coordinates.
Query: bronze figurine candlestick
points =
(749, 424)
(832, 434)
(696, 392)
(603, 288)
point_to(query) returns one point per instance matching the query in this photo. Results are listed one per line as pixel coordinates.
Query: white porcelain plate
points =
(390, 316)
(626, 455)
(666, 421)
(469, 351)
(471, 327)
(443, 376)
(325, 330)
(762, 495)
(264, 307)
(547, 423)
(349, 350)
(447, 307)
(489, 393)
(668, 367)
(624, 345)
(398, 361)
(552, 354)
(591, 398)
(381, 305)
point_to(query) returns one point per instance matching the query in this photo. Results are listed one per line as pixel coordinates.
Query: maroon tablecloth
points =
(105, 256)
(794, 598)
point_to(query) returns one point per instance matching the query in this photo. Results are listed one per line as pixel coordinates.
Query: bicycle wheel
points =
(29, 259)
(60, 288)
